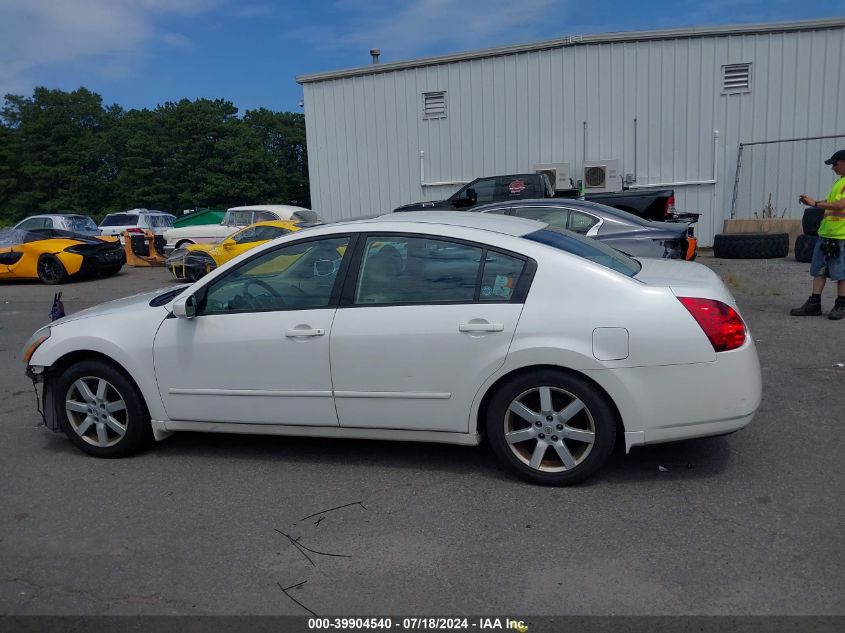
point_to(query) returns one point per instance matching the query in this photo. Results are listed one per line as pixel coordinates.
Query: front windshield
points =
(587, 248)
(81, 223)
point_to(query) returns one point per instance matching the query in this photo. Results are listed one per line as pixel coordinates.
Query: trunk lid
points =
(684, 279)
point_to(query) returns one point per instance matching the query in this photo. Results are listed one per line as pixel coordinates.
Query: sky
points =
(141, 53)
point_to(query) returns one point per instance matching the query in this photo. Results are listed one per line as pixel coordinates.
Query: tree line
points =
(66, 152)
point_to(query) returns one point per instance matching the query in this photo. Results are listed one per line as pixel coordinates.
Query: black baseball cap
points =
(840, 155)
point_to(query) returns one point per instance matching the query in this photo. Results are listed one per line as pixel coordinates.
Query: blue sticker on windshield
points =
(486, 291)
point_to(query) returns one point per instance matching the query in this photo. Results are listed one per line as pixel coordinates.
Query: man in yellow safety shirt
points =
(829, 252)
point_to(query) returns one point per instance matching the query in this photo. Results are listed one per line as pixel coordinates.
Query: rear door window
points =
(120, 219)
(265, 216)
(159, 221)
(399, 269)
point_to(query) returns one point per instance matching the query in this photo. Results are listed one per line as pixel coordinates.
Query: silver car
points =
(75, 222)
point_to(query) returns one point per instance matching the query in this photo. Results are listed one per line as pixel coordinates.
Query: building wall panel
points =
(506, 113)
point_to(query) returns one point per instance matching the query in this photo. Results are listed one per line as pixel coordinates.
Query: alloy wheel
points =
(549, 429)
(96, 411)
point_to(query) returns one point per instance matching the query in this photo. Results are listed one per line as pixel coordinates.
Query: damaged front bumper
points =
(45, 400)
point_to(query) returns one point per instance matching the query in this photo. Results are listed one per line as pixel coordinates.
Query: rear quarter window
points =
(587, 248)
(306, 215)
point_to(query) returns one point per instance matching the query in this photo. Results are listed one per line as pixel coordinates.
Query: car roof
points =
(505, 224)
(56, 215)
(267, 207)
(140, 211)
(575, 203)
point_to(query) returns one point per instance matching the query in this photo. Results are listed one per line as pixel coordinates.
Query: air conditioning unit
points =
(558, 174)
(602, 175)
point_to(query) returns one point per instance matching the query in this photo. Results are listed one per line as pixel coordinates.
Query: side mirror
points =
(185, 307)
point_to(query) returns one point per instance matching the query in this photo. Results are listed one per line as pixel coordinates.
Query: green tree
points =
(65, 151)
(58, 161)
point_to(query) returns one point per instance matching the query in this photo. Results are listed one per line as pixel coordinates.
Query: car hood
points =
(132, 303)
(685, 279)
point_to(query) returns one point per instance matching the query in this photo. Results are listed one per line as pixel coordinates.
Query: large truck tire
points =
(811, 220)
(804, 245)
(751, 245)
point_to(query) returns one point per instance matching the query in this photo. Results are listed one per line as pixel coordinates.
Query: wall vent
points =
(736, 78)
(434, 105)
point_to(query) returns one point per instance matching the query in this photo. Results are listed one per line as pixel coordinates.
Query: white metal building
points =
(672, 107)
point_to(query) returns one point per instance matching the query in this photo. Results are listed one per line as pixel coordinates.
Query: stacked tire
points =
(751, 245)
(804, 244)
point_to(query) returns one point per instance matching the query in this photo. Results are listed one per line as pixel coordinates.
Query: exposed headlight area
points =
(34, 343)
(190, 265)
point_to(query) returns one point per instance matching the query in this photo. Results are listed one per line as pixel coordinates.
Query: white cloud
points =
(407, 28)
(177, 40)
(38, 35)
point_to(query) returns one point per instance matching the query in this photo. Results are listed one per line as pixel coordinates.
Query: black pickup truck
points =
(653, 205)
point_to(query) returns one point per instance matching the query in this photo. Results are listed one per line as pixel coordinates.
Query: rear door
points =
(424, 321)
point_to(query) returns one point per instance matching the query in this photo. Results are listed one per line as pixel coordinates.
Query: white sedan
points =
(430, 326)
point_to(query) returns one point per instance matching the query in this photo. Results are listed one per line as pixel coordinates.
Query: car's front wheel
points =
(550, 427)
(101, 410)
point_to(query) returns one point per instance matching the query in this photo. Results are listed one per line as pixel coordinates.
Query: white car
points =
(74, 222)
(234, 219)
(428, 326)
(136, 221)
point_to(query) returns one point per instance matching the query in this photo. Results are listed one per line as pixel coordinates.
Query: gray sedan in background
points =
(619, 229)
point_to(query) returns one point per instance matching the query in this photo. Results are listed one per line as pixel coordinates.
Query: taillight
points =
(134, 229)
(670, 207)
(720, 322)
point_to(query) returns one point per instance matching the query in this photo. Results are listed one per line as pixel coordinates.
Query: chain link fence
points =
(770, 175)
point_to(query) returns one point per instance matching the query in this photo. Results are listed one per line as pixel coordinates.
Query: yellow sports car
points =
(197, 260)
(55, 255)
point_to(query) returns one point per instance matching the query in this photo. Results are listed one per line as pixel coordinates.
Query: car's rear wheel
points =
(50, 270)
(184, 243)
(101, 410)
(550, 427)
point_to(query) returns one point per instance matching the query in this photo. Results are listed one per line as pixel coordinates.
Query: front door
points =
(258, 349)
(424, 331)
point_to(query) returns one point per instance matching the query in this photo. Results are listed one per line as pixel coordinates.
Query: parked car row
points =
(194, 251)
(133, 221)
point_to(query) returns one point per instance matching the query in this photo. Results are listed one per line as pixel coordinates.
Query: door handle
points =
(481, 327)
(296, 333)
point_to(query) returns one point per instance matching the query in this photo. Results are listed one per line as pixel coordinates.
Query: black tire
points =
(133, 417)
(811, 220)
(597, 416)
(804, 245)
(51, 271)
(751, 245)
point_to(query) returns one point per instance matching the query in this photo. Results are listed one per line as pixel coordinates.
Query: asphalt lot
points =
(745, 524)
